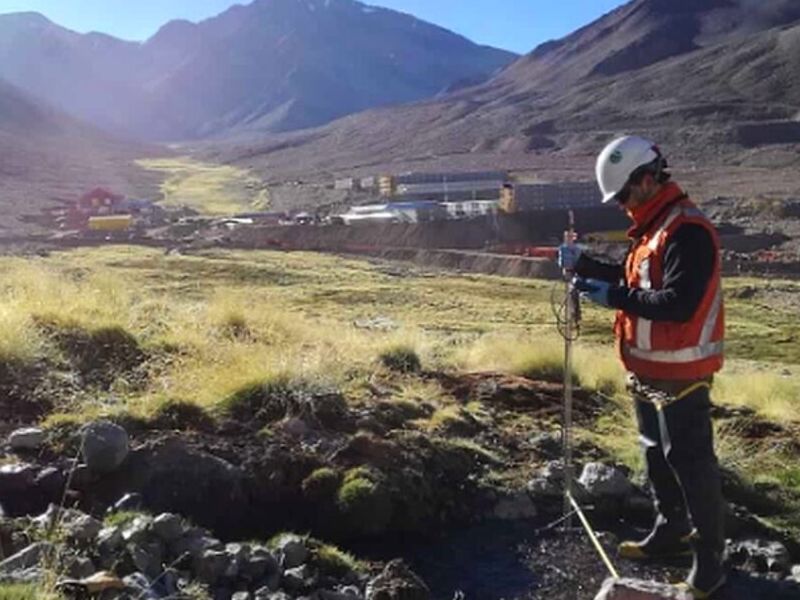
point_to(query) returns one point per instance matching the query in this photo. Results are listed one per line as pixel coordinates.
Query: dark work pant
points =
(678, 445)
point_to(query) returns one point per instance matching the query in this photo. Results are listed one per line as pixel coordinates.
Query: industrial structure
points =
(418, 197)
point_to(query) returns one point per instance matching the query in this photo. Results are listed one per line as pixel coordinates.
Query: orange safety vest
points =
(670, 349)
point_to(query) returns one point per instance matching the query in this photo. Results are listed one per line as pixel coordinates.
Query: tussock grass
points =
(217, 322)
(18, 591)
(774, 394)
(542, 357)
(401, 358)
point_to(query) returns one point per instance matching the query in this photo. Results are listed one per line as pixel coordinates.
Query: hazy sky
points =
(517, 25)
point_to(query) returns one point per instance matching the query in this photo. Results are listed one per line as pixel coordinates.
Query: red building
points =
(100, 201)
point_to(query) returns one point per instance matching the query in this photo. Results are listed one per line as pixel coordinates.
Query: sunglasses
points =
(624, 194)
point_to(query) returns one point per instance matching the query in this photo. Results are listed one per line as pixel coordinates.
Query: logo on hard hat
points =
(616, 157)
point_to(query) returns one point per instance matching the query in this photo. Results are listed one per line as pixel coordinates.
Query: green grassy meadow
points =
(208, 188)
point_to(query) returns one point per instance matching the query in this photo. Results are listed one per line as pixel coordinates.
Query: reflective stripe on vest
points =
(656, 239)
(682, 356)
(644, 327)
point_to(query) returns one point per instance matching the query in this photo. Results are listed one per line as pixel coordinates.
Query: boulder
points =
(168, 527)
(548, 481)
(105, 446)
(292, 551)
(604, 481)
(761, 556)
(25, 559)
(635, 589)
(299, 579)
(397, 582)
(211, 565)
(28, 438)
(80, 527)
(139, 586)
(137, 531)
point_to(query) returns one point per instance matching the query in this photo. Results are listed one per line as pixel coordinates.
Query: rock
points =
(345, 593)
(260, 564)
(168, 527)
(147, 558)
(267, 594)
(292, 551)
(760, 556)
(29, 438)
(549, 481)
(397, 582)
(634, 589)
(51, 481)
(25, 559)
(139, 585)
(137, 531)
(109, 540)
(194, 543)
(19, 492)
(795, 573)
(17, 477)
(599, 481)
(299, 579)
(242, 596)
(515, 506)
(211, 565)
(80, 567)
(105, 446)
(82, 478)
(129, 502)
(80, 527)
(175, 477)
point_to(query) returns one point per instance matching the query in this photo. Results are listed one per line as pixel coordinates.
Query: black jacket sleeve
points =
(588, 266)
(689, 259)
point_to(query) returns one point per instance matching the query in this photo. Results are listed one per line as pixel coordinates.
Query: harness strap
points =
(663, 399)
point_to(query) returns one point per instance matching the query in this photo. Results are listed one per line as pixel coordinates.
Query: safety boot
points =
(707, 574)
(662, 542)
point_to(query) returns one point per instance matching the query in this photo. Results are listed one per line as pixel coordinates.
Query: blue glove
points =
(568, 255)
(593, 289)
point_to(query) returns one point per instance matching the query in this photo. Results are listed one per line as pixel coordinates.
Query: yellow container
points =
(111, 223)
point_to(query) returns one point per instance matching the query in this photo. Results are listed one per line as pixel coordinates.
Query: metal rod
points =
(566, 433)
(600, 550)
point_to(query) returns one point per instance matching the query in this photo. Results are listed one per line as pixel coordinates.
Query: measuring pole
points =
(566, 428)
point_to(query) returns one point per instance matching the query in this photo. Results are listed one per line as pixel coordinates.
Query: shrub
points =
(401, 358)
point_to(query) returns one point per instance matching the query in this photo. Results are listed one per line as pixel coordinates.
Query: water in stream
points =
(483, 562)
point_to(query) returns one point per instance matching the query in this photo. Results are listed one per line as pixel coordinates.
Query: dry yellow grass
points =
(222, 320)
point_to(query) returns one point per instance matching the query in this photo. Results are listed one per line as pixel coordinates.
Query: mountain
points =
(274, 65)
(716, 81)
(46, 156)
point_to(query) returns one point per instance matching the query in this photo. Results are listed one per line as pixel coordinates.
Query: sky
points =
(516, 25)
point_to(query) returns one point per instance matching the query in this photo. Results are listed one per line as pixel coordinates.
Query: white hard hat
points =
(619, 160)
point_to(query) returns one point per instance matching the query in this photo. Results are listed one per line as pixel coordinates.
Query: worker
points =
(669, 332)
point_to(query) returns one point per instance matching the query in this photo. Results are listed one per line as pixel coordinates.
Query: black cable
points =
(558, 304)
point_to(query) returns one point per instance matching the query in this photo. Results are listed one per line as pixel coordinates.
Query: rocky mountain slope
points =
(716, 81)
(274, 65)
(45, 156)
